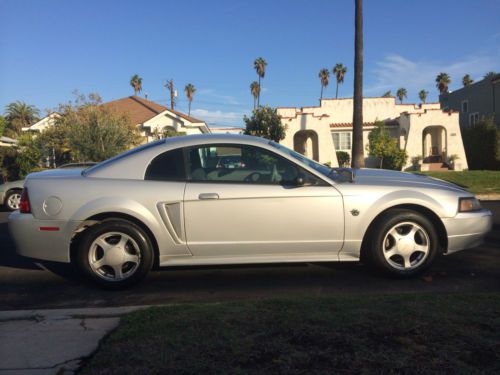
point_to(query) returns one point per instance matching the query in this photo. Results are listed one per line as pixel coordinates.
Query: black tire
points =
(120, 240)
(394, 233)
(12, 199)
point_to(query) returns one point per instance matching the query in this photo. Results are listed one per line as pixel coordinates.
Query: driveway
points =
(28, 285)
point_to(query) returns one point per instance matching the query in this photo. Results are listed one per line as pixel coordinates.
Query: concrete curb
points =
(488, 197)
(54, 341)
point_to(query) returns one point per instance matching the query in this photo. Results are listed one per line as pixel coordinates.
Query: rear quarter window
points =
(168, 166)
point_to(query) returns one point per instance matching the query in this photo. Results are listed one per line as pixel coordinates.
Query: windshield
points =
(323, 169)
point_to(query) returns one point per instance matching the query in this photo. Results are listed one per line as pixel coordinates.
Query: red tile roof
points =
(349, 124)
(141, 110)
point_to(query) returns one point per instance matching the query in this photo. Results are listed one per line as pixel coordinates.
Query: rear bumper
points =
(467, 230)
(34, 242)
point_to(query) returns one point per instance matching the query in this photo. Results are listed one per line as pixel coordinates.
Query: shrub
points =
(482, 145)
(343, 158)
(384, 147)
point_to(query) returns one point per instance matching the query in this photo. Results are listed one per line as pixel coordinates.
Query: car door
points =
(260, 204)
(166, 183)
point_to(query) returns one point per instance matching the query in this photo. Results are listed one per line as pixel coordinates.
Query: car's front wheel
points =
(403, 243)
(115, 254)
(13, 199)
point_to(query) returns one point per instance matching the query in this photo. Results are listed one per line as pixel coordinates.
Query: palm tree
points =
(442, 82)
(136, 83)
(490, 75)
(255, 91)
(260, 67)
(339, 70)
(467, 80)
(358, 158)
(387, 94)
(422, 94)
(19, 115)
(401, 94)
(189, 90)
(324, 76)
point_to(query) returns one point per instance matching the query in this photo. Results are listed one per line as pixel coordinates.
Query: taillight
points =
(24, 204)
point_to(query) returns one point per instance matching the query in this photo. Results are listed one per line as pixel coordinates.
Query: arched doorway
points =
(305, 142)
(434, 144)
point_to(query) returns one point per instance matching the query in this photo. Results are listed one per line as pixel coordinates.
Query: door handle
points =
(208, 196)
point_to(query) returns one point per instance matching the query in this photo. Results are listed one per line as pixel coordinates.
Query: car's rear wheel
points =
(13, 199)
(403, 243)
(115, 254)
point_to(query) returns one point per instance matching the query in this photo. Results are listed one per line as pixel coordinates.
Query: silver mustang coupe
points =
(226, 199)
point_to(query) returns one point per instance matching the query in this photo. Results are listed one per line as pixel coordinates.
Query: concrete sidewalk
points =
(53, 341)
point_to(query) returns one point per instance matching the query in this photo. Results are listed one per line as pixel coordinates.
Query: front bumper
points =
(467, 229)
(33, 242)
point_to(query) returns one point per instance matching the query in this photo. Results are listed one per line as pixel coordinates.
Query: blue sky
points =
(50, 48)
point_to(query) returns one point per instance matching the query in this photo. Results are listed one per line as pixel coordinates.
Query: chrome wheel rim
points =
(406, 246)
(114, 256)
(14, 201)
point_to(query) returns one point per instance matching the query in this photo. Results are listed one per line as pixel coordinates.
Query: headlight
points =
(468, 205)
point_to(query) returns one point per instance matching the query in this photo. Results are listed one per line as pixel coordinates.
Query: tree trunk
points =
(321, 96)
(258, 96)
(358, 159)
(337, 91)
(189, 110)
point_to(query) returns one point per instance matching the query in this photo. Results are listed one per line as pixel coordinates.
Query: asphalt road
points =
(25, 284)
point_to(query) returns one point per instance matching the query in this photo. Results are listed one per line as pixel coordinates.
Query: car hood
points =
(384, 176)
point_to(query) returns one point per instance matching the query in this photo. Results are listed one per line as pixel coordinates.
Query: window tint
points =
(243, 164)
(168, 166)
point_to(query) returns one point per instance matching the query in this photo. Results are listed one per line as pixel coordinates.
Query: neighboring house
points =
(152, 118)
(7, 142)
(226, 130)
(43, 123)
(424, 131)
(475, 101)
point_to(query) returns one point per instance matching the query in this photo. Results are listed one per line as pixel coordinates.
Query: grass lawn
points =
(421, 333)
(477, 182)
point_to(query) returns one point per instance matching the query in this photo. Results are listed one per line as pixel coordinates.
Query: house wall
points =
(416, 123)
(335, 115)
(309, 121)
(483, 97)
(158, 123)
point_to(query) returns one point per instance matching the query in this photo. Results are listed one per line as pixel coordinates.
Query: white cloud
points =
(396, 71)
(218, 118)
(211, 93)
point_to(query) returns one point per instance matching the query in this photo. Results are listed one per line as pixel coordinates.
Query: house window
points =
(473, 118)
(342, 140)
(465, 106)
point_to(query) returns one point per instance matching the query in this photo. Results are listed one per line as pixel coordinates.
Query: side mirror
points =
(299, 181)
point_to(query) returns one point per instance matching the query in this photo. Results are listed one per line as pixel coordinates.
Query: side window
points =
(168, 166)
(244, 164)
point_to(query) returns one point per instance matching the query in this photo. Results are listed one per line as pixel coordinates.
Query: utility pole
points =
(170, 87)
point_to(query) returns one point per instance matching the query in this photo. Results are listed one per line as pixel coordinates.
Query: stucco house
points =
(226, 130)
(424, 131)
(152, 118)
(43, 123)
(7, 142)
